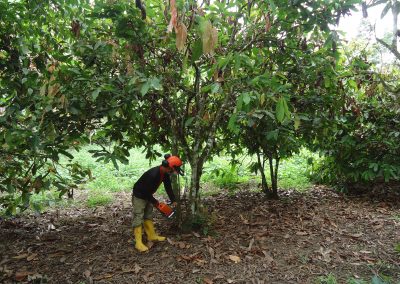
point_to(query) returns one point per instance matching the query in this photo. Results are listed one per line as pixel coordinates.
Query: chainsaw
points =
(165, 209)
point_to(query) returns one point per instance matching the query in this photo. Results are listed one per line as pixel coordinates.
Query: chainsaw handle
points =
(166, 210)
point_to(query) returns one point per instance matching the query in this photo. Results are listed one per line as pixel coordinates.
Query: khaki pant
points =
(141, 210)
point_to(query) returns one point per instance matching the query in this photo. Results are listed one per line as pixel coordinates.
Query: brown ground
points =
(295, 239)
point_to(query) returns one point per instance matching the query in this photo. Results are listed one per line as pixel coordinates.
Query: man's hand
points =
(173, 204)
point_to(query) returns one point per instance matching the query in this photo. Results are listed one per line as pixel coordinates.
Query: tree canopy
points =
(258, 77)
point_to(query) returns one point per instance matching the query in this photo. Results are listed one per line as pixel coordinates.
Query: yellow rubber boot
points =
(138, 239)
(150, 232)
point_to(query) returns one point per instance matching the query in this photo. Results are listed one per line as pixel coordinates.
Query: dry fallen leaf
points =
(21, 275)
(251, 244)
(207, 281)
(170, 241)
(325, 254)
(31, 257)
(181, 245)
(268, 257)
(87, 273)
(147, 276)
(300, 233)
(356, 235)
(21, 256)
(234, 258)
(212, 252)
(150, 244)
(137, 268)
(245, 221)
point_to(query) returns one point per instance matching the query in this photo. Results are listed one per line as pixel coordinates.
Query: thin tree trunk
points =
(274, 183)
(197, 183)
(194, 183)
(275, 189)
(261, 166)
(394, 24)
(177, 192)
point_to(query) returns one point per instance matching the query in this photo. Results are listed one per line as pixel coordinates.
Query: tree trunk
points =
(261, 166)
(274, 178)
(177, 192)
(194, 191)
(394, 24)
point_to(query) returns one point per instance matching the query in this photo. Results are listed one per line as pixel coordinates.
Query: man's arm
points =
(168, 188)
(150, 197)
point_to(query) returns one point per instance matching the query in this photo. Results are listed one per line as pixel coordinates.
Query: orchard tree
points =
(292, 87)
(64, 73)
(35, 126)
(206, 57)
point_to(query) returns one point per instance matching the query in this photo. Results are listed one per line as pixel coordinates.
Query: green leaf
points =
(24, 49)
(386, 9)
(145, 88)
(99, 43)
(286, 108)
(155, 83)
(65, 153)
(377, 280)
(95, 93)
(262, 99)
(280, 109)
(215, 88)
(189, 121)
(239, 103)
(232, 125)
(352, 84)
(246, 98)
(296, 122)
(237, 62)
(273, 135)
(197, 50)
(114, 161)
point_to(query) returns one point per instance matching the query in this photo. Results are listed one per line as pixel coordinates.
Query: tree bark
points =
(394, 24)
(274, 183)
(261, 166)
(177, 192)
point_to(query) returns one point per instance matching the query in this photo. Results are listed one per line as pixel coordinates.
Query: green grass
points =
(106, 177)
(99, 198)
(397, 248)
(45, 199)
(328, 279)
(293, 173)
(217, 174)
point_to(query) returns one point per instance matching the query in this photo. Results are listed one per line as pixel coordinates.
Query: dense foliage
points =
(261, 77)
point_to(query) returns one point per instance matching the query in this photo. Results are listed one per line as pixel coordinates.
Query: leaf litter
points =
(254, 240)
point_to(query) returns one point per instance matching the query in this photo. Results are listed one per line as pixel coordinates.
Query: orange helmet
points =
(174, 162)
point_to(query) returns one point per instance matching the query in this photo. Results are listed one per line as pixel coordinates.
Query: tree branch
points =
(391, 48)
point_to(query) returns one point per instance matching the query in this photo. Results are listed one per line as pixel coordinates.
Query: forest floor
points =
(296, 239)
